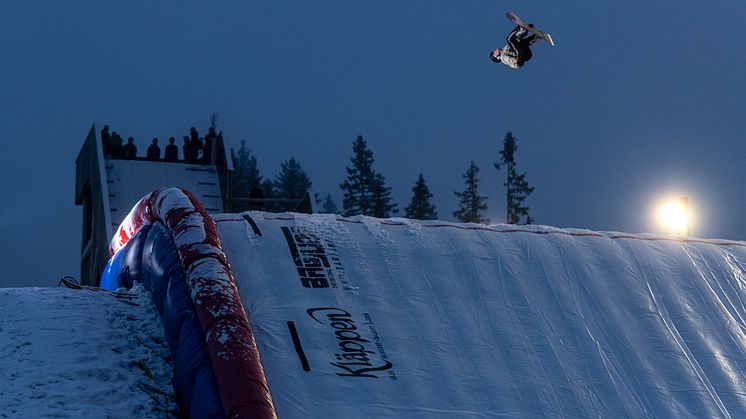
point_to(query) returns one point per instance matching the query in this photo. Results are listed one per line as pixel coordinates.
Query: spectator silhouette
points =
(195, 145)
(117, 149)
(200, 153)
(193, 134)
(154, 152)
(106, 141)
(187, 148)
(171, 152)
(129, 150)
(210, 139)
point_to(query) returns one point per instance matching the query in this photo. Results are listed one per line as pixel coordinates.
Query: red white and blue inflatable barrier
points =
(170, 244)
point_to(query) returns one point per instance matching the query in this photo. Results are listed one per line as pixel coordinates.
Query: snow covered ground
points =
(82, 354)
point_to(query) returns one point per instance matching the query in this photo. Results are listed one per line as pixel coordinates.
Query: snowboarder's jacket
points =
(509, 57)
(518, 49)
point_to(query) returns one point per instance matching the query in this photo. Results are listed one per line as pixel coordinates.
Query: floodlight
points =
(674, 216)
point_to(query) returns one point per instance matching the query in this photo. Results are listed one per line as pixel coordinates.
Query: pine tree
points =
(420, 207)
(292, 182)
(328, 206)
(517, 185)
(381, 198)
(245, 175)
(357, 187)
(471, 205)
(365, 191)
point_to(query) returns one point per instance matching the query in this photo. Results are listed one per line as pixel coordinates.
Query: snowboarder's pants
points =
(519, 42)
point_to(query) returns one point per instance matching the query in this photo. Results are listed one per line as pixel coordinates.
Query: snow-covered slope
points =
(360, 317)
(82, 354)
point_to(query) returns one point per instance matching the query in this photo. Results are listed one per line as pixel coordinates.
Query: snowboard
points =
(531, 28)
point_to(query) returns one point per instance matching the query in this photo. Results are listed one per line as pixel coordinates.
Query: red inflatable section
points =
(235, 359)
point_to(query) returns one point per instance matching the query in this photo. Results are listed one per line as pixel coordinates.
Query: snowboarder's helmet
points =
(495, 55)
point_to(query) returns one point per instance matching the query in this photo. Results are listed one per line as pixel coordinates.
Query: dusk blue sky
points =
(638, 99)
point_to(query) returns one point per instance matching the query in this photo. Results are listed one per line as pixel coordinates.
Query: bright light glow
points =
(674, 216)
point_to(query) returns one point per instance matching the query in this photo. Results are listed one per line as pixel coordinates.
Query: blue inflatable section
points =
(150, 257)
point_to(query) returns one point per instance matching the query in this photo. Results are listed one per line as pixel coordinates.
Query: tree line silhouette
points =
(365, 191)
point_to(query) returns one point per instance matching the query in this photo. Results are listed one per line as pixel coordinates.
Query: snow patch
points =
(83, 354)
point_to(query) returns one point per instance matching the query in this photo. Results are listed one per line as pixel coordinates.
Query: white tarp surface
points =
(396, 318)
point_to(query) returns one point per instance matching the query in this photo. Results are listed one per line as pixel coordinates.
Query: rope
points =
(69, 282)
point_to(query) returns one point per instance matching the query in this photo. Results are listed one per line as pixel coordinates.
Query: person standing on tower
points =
(154, 152)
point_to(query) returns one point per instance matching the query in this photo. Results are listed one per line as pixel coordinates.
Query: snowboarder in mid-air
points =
(520, 39)
(518, 49)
